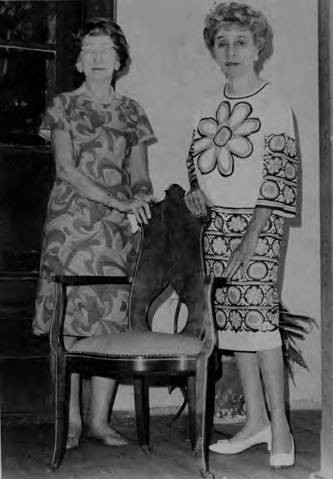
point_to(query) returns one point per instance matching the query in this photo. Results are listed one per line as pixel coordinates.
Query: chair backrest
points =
(170, 253)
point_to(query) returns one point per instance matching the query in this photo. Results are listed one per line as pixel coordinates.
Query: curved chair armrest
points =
(82, 280)
(205, 376)
(57, 322)
(209, 333)
(59, 313)
(219, 282)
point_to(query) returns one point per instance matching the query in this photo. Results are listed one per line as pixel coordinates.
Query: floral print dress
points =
(80, 235)
(243, 154)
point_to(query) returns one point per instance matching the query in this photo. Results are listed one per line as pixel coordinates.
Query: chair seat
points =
(143, 344)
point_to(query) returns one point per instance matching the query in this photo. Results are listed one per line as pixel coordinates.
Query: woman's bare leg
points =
(249, 372)
(271, 366)
(75, 418)
(102, 390)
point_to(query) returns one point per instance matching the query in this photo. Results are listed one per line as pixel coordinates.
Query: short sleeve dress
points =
(243, 155)
(80, 235)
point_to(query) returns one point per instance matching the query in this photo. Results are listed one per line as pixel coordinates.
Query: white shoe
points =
(283, 459)
(225, 446)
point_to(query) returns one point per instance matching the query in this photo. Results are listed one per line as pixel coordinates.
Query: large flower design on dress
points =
(227, 135)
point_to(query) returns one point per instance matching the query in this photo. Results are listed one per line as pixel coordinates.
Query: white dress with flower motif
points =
(243, 155)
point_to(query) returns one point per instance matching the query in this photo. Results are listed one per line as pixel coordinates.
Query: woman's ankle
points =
(74, 424)
(251, 428)
(257, 423)
(97, 424)
(279, 419)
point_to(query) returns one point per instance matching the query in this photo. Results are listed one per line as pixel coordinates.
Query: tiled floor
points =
(27, 448)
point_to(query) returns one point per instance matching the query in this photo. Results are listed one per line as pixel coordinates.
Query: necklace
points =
(244, 92)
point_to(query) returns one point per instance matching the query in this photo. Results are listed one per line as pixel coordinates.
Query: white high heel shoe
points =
(283, 459)
(225, 446)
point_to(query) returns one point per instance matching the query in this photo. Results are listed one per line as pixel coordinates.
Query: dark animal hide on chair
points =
(171, 253)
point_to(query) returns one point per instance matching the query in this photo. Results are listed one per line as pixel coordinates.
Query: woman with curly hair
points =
(242, 163)
(99, 139)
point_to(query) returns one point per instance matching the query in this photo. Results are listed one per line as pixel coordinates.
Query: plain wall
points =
(171, 69)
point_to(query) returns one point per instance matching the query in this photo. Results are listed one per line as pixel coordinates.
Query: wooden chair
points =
(170, 253)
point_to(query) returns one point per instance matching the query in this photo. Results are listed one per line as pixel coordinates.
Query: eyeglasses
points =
(104, 51)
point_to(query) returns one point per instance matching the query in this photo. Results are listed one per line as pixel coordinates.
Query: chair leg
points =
(208, 414)
(141, 399)
(61, 399)
(191, 398)
(205, 392)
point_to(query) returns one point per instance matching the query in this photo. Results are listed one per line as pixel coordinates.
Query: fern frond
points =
(293, 328)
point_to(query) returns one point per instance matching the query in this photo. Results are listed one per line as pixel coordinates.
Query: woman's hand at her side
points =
(240, 257)
(196, 202)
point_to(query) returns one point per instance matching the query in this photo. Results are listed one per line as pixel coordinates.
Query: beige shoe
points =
(283, 459)
(225, 446)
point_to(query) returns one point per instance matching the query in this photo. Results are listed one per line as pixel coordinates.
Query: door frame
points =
(325, 78)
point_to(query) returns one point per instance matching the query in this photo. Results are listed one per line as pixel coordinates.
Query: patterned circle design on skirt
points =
(247, 303)
(234, 243)
(218, 269)
(269, 190)
(236, 320)
(274, 273)
(219, 296)
(218, 223)
(206, 244)
(237, 223)
(270, 296)
(276, 248)
(221, 319)
(278, 223)
(234, 295)
(290, 171)
(219, 246)
(254, 320)
(257, 270)
(254, 296)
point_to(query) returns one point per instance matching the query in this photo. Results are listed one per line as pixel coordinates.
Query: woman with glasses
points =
(99, 140)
